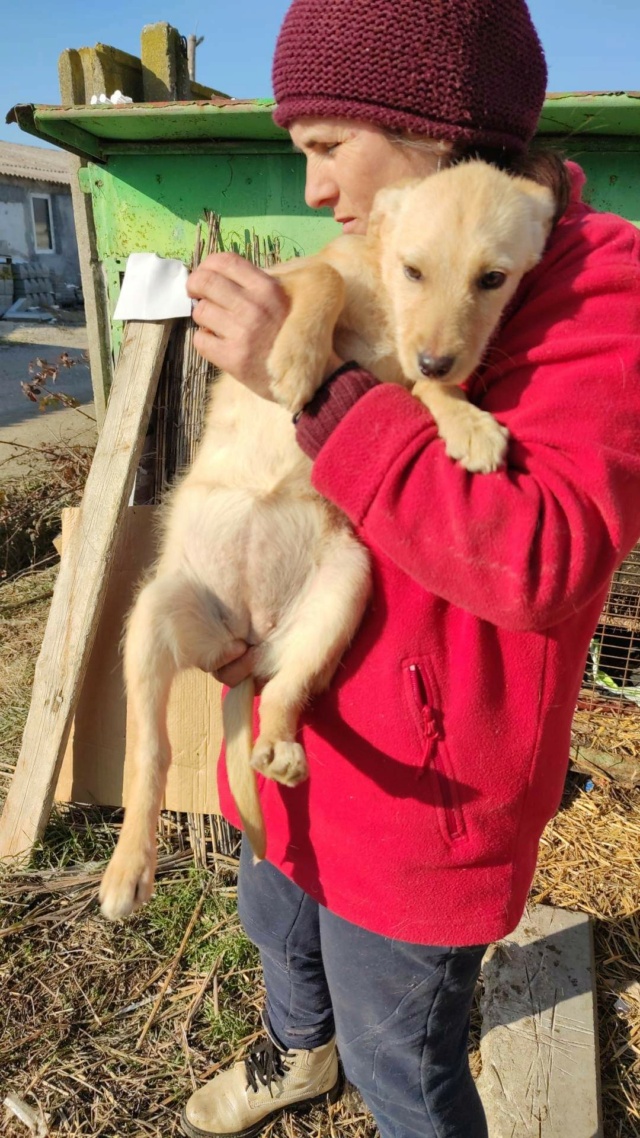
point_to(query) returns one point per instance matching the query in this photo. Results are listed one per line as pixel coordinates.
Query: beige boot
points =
(239, 1102)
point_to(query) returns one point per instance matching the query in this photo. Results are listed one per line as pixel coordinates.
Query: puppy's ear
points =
(386, 205)
(542, 208)
(542, 200)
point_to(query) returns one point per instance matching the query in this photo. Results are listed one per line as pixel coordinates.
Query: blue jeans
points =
(400, 1011)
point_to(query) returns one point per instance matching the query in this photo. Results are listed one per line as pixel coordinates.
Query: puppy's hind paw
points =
(285, 762)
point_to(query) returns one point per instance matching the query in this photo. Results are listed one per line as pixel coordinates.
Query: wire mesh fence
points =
(607, 717)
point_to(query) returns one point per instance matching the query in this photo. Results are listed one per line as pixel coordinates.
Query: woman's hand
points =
(239, 313)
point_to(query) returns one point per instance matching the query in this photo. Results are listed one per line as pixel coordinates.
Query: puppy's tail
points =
(237, 717)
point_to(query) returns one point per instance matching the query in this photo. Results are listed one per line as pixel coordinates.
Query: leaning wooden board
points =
(81, 587)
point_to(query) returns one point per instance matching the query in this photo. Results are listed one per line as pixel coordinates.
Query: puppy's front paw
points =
(284, 762)
(296, 372)
(475, 439)
(128, 881)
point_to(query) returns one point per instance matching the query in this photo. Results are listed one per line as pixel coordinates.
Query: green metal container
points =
(155, 168)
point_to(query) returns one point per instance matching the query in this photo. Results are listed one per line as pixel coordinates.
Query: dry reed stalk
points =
(201, 840)
(198, 998)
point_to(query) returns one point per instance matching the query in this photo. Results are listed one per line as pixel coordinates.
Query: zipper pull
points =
(429, 720)
(430, 725)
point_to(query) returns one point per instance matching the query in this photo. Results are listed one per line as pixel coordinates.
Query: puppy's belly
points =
(252, 554)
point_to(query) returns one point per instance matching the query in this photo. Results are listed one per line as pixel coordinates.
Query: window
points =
(42, 223)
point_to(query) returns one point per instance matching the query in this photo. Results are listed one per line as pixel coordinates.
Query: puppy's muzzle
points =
(435, 367)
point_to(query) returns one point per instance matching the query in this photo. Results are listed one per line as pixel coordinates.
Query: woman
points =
(440, 752)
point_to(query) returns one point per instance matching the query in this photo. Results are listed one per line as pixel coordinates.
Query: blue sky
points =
(590, 44)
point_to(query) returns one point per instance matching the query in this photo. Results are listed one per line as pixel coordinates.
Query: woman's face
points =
(349, 161)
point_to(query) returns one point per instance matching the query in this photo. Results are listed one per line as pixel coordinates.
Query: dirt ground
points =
(23, 425)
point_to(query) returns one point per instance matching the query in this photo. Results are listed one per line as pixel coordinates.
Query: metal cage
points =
(607, 717)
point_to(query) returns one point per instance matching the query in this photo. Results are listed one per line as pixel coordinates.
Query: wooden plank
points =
(96, 766)
(81, 588)
(621, 768)
(72, 92)
(540, 1065)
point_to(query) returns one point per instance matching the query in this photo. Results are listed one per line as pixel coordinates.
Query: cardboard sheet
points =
(95, 768)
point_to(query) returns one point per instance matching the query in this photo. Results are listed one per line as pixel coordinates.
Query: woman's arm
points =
(524, 547)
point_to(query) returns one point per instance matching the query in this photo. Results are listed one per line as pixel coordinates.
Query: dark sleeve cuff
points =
(329, 405)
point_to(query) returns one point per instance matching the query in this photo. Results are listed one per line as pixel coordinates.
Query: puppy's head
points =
(452, 249)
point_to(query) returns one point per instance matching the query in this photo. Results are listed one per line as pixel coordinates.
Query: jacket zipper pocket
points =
(430, 730)
(433, 755)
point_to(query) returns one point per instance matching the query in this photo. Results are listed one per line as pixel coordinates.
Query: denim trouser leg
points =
(283, 922)
(401, 1011)
(402, 1021)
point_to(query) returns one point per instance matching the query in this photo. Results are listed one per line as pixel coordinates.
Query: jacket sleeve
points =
(527, 546)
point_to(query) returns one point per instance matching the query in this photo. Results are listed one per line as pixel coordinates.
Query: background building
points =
(36, 214)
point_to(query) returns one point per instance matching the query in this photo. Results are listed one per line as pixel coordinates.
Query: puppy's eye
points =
(411, 273)
(492, 280)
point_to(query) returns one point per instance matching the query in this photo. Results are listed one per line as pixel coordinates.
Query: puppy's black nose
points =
(435, 367)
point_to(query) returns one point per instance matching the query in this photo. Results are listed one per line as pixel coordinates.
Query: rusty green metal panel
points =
(600, 130)
(153, 203)
(613, 181)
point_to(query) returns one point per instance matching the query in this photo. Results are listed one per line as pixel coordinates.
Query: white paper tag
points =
(154, 288)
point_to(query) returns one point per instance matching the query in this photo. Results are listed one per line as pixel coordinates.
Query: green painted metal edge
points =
(142, 122)
(65, 134)
(94, 132)
(136, 123)
(592, 113)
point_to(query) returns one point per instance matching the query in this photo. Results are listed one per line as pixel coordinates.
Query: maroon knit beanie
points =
(463, 70)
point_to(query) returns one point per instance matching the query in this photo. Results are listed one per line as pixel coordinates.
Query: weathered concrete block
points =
(165, 73)
(107, 69)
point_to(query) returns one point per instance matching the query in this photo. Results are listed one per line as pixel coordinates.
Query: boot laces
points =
(265, 1065)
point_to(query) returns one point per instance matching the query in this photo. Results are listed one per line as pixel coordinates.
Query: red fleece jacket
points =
(441, 750)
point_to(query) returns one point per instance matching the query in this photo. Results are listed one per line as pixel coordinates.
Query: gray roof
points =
(34, 162)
